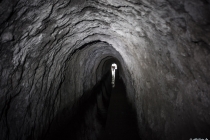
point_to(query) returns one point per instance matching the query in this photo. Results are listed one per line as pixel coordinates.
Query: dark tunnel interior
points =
(89, 120)
(56, 81)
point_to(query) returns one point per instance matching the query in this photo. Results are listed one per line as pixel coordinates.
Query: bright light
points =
(113, 68)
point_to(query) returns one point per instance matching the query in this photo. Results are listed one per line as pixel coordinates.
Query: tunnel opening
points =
(113, 70)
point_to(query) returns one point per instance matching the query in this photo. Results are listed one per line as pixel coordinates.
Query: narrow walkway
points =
(121, 121)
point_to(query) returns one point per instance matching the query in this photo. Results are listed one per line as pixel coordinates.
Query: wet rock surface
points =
(52, 52)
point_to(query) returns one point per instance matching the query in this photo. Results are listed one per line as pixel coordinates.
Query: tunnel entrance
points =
(113, 69)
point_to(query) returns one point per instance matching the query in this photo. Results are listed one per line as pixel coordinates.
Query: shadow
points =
(122, 118)
(89, 114)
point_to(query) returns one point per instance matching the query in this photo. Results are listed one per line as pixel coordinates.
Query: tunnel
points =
(55, 69)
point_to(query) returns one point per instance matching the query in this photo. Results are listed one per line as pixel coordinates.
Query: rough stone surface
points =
(50, 53)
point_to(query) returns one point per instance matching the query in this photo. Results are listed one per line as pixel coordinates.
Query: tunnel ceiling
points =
(50, 51)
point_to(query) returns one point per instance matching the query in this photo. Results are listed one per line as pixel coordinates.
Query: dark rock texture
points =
(54, 51)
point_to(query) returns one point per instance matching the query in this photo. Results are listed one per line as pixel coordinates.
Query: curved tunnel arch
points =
(92, 63)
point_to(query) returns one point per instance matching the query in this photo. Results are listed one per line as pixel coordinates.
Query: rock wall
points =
(50, 52)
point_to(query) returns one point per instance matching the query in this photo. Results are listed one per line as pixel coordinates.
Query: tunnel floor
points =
(121, 120)
(121, 123)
